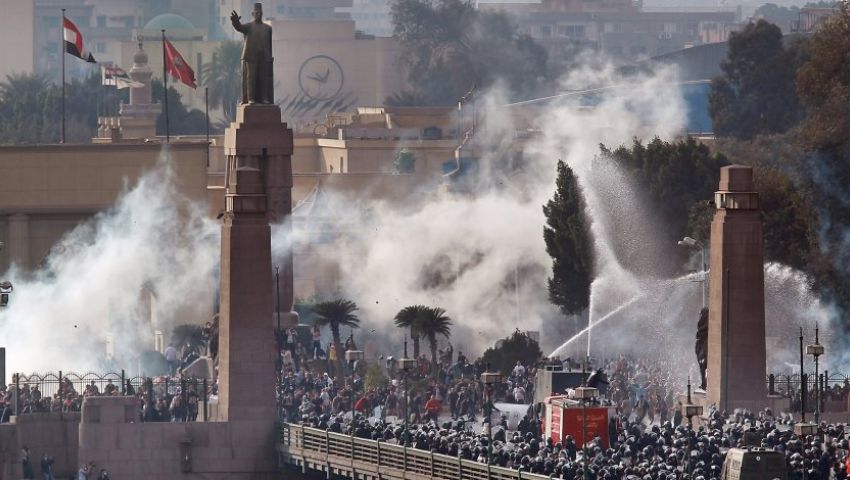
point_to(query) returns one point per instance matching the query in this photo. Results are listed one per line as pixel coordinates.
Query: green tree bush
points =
(756, 93)
(518, 347)
(568, 242)
(449, 47)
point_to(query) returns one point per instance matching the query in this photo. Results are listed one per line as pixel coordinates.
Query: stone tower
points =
(138, 118)
(258, 146)
(736, 332)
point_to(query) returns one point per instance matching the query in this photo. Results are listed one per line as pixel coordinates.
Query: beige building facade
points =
(47, 190)
(17, 33)
(324, 66)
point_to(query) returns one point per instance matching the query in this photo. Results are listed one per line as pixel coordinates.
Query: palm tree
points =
(432, 322)
(335, 314)
(223, 77)
(408, 317)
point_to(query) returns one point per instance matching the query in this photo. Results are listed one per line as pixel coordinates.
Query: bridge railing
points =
(320, 450)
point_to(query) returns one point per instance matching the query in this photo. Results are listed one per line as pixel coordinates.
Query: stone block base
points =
(128, 449)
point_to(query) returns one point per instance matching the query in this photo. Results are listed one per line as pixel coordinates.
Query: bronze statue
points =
(257, 61)
(701, 346)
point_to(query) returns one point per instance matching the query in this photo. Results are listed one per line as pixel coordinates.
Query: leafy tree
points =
(375, 378)
(449, 46)
(755, 95)
(409, 317)
(26, 102)
(568, 242)
(224, 78)
(782, 16)
(518, 347)
(336, 314)
(823, 84)
(188, 335)
(675, 175)
(181, 120)
(30, 108)
(433, 321)
(788, 218)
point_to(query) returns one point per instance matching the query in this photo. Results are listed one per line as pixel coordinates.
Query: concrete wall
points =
(112, 437)
(53, 433)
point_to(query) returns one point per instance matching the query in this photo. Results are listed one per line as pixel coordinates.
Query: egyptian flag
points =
(74, 41)
(118, 77)
(176, 66)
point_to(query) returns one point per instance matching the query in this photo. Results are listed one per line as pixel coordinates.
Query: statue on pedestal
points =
(257, 60)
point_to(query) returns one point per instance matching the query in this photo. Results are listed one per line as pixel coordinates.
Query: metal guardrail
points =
(335, 453)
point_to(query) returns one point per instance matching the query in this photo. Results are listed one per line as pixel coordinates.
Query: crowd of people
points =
(637, 450)
(32, 400)
(649, 437)
(444, 407)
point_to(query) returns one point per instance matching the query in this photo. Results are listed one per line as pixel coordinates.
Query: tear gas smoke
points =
(92, 282)
(463, 253)
(481, 257)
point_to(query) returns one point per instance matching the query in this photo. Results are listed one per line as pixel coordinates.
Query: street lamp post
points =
(691, 410)
(352, 357)
(693, 243)
(490, 380)
(584, 393)
(802, 380)
(406, 364)
(5, 288)
(816, 350)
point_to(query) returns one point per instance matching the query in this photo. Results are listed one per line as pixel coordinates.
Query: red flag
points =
(74, 41)
(176, 66)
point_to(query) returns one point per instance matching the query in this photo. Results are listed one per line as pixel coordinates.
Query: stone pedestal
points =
(736, 332)
(258, 132)
(246, 339)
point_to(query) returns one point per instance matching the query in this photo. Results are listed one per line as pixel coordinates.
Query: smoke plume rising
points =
(91, 284)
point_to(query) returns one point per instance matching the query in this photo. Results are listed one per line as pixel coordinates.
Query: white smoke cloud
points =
(482, 256)
(152, 239)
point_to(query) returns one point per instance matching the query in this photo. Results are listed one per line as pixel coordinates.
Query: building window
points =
(101, 20)
(545, 30)
(100, 47)
(571, 31)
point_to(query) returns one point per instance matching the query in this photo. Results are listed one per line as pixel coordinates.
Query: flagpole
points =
(62, 27)
(207, 117)
(165, 89)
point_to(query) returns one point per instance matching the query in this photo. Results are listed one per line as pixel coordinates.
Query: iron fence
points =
(831, 390)
(785, 384)
(64, 391)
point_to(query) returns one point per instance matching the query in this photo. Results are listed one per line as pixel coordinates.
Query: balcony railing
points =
(314, 449)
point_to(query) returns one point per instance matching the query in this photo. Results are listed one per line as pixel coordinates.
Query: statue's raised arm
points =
(236, 20)
(257, 58)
